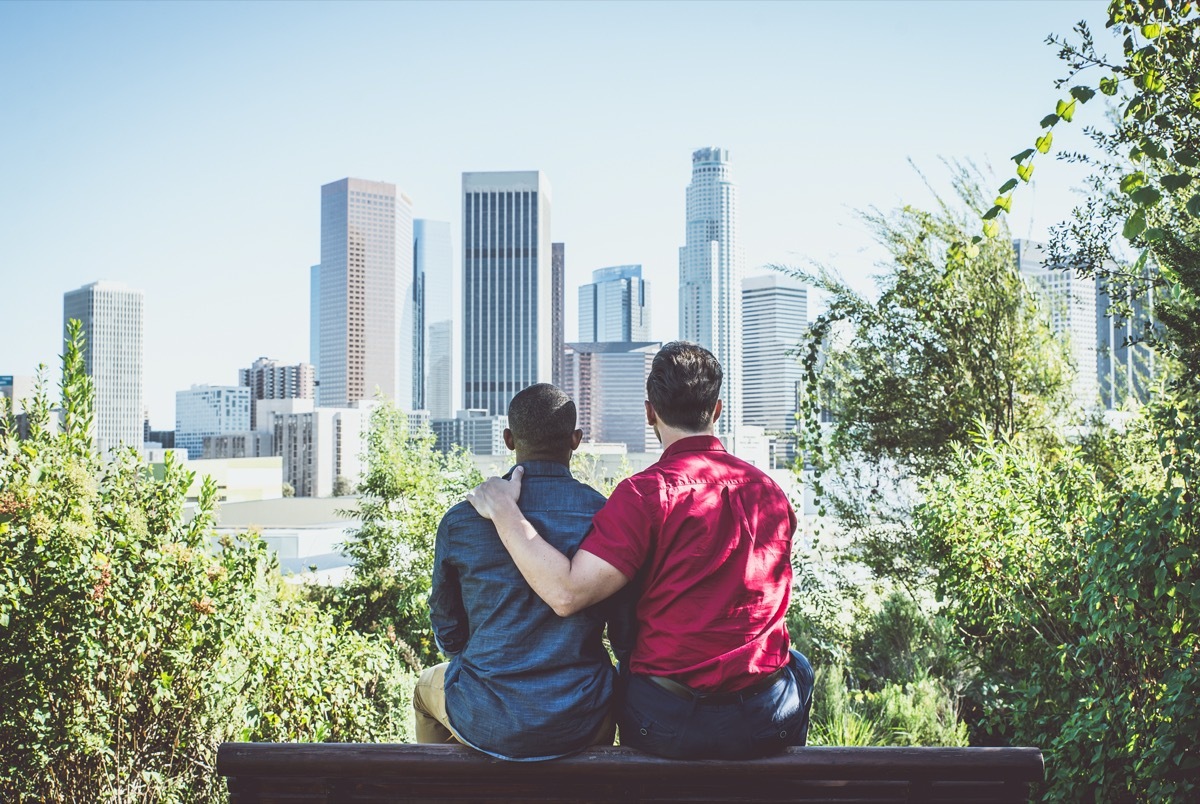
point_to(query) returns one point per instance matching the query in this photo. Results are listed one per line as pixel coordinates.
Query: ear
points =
(717, 411)
(576, 437)
(509, 441)
(651, 416)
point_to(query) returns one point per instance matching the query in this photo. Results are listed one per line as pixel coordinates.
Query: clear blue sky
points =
(180, 147)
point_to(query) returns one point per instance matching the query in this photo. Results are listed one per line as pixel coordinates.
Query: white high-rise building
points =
(508, 305)
(436, 365)
(366, 312)
(113, 318)
(1071, 303)
(775, 317)
(615, 306)
(320, 446)
(711, 265)
(209, 410)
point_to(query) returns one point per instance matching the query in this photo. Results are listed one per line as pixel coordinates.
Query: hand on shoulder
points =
(495, 495)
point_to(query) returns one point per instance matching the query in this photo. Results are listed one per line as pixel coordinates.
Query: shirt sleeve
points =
(447, 614)
(622, 530)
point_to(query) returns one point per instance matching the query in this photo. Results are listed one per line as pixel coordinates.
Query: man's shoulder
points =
(462, 513)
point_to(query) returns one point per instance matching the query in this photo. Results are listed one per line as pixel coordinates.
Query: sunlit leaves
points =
(1146, 196)
(1025, 172)
(1108, 86)
(1134, 225)
(1132, 181)
(1065, 110)
(1043, 142)
(1152, 31)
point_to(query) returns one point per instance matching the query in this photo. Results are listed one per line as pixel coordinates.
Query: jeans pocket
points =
(647, 733)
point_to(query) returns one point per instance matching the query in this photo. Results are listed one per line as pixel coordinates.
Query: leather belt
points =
(686, 693)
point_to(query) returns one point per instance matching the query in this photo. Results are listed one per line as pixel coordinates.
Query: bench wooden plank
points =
(350, 772)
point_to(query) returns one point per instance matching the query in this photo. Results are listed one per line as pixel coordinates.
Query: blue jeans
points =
(653, 720)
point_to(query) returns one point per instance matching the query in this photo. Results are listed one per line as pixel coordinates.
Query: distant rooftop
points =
(286, 512)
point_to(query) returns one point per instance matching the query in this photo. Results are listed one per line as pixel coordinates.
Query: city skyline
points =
(131, 134)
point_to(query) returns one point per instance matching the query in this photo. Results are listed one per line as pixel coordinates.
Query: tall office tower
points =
(615, 306)
(1125, 362)
(365, 321)
(269, 379)
(112, 316)
(1071, 304)
(710, 275)
(209, 410)
(314, 317)
(508, 334)
(435, 359)
(608, 383)
(558, 270)
(775, 310)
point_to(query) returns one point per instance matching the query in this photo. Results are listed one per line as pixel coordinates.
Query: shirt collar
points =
(543, 469)
(696, 443)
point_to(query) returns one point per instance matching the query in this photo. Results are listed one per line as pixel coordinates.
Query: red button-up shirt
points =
(713, 536)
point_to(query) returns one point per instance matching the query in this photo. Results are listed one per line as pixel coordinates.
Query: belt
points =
(686, 693)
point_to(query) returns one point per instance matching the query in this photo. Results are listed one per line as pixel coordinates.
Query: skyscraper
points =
(558, 270)
(710, 275)
(112, 316)
(615, 306)
(269, 379)
(508, 334)
(366, 312)
(314, 317)
(608, 383)
(776, 317)
(1070, 301)
(435, 354)
(1124, 318)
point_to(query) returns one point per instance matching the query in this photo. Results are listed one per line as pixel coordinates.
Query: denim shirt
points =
(523, 683)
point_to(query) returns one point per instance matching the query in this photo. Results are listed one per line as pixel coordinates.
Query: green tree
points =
(408, 485)
(133, 642)
(951, 346)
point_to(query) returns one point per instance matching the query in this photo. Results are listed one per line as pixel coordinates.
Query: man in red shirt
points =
(706, 538)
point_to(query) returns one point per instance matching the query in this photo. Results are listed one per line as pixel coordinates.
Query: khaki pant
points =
(433, 724)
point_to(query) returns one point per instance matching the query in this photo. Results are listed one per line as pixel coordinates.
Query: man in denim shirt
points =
(522, 683)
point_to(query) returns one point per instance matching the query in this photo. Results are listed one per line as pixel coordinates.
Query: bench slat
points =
(351, 772)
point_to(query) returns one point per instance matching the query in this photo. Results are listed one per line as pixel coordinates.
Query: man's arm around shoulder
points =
(567, 585)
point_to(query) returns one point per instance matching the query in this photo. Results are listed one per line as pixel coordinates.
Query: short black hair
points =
(542, 418)
(684, 385)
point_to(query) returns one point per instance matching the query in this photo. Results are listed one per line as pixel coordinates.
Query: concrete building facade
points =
(365, 294)
(113, 321)
(775, 319)
(209, 410)
(608, 383)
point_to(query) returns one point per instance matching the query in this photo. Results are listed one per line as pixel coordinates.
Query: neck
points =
(526, 457)
(668, 435)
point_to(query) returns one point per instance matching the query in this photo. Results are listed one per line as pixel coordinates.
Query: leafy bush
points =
(407, 488)
(129, 649)
(1079, 602)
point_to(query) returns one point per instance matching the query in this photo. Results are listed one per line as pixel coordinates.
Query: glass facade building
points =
(365, 320)
(112, 317)
(711, 267)
(507, 287)
(615, 306)
(209, 410)
(436, 334)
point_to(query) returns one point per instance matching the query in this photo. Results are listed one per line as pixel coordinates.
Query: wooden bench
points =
(353, 772)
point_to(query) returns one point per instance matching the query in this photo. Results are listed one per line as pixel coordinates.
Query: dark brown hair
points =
(684, 385)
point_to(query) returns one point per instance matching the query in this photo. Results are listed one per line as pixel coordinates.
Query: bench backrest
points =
(336, 772)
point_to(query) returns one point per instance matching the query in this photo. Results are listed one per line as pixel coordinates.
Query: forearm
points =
(546, 570)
